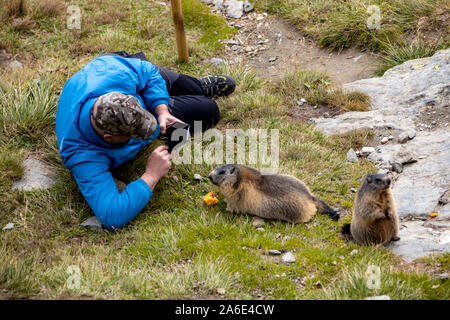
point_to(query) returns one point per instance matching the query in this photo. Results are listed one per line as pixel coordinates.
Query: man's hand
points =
(165, 119)
(158, 164)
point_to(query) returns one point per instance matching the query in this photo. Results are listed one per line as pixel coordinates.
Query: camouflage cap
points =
(122, 115)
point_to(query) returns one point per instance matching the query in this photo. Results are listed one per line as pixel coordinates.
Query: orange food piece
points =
(434, 214)
(210, 199)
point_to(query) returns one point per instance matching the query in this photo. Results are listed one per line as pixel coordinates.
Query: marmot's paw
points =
(335, 216)
(345, 231)
(388, 215)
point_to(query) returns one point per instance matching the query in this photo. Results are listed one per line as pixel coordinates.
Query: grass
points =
(395, 55)
(28, 110)
(317, 88)
(177, 247)
(343, 24)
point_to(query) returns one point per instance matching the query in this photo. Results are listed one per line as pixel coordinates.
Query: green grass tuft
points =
(394, 55)
(28, 110)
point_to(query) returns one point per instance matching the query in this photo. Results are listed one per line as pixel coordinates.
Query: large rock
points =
(399, 97)
(234, 9)
(231, 8)
(411, 100)
(37, 175)
(418, 239)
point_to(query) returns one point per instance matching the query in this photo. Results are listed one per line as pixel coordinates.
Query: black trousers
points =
(187, 101)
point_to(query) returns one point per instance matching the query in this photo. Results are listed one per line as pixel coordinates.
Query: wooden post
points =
(180, 36)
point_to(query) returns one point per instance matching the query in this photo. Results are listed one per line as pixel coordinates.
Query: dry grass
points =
(14, 8)
(317, 88)
(48, 8)
(25, 24)
(109, 16)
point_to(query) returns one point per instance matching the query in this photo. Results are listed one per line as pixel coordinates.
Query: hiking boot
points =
(217, 85)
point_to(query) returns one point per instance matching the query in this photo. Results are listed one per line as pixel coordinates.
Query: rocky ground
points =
(271, 47)
(410, 112)
(7, 60)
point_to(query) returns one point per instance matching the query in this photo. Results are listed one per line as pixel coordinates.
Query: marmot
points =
(269, 196)
(375, 219)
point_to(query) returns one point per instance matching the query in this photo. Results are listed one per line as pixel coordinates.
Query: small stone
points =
(353, 252)
(397, 167)
(232, 41)
(235, 47)
(443, 276)
(260, 42)
(9, 226)
(197, 177)
(301, 102)
(435, 286)
(390, 138)
(374, 157)
(258, 222)
(260, 229)
(411, 134)
(342, 257)
(383, 171)
(92, 223)
(221, 291)
(217, 61)
(318, 284)
(234, 9)
(383, 297)
(334, 263)
(288, 257)
(403, 137)
(272, 59)
(354, 190)
(384, 140)
(37, 175)
(175, 178)
(352, 156)
(273, 252)
(365, 151)
(15, 65)
(248, 7)
(445, 197)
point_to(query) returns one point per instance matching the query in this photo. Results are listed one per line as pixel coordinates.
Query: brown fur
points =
(269, 196)
(375, 219)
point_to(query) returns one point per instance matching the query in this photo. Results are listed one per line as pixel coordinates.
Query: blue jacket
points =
(86, 153)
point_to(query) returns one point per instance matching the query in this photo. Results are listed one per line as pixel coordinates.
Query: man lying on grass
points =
(111, 109)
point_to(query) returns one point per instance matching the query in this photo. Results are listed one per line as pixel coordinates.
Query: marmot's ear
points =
(369, 179)
(234, 170)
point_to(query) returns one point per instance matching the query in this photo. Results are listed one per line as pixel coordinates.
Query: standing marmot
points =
(269, 196)
(374, 219)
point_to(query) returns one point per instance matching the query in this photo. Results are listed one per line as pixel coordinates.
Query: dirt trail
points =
(272, 47)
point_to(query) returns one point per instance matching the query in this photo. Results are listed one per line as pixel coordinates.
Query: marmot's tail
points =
(323, 208)
(345, 231)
